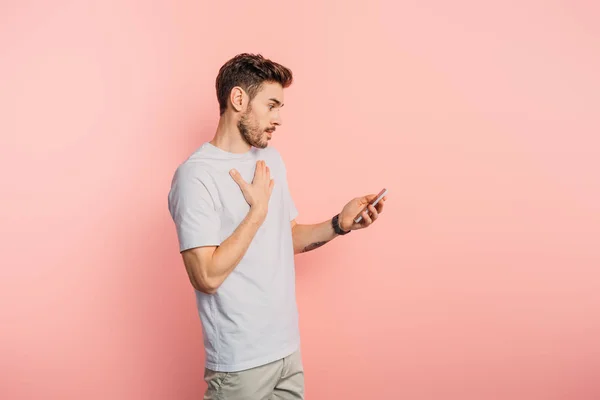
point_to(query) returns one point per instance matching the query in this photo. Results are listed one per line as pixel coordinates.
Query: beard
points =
(251, 131)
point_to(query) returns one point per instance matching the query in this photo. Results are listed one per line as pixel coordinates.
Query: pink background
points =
(480, 281)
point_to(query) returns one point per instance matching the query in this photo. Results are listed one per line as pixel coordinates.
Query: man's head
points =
(251, 88)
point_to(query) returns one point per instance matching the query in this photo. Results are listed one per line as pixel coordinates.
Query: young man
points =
(235, 221)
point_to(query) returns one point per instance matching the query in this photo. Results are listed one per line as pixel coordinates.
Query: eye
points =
(271, 107)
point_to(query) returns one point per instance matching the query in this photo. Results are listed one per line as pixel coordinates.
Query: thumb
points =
(368, 198)
(238, 178)
(271, 185)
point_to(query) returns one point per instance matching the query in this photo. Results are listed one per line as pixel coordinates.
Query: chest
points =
(231, 205)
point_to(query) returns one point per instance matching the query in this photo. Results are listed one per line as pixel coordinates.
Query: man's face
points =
(261, 117)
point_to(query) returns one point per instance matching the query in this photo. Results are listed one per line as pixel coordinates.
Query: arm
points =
(310, 237)
(209, 266)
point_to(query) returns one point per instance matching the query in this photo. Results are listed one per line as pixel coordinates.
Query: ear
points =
(237, 97)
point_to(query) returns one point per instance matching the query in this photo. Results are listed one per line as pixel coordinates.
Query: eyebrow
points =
(279, 103)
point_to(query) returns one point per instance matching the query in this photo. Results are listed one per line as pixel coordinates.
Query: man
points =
(235, 221)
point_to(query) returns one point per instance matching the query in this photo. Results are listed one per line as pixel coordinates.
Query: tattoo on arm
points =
(313, 246)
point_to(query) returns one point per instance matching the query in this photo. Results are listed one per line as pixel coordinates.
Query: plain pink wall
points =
(480, 281)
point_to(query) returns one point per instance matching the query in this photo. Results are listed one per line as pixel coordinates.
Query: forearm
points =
(228, 255)
(310, 237)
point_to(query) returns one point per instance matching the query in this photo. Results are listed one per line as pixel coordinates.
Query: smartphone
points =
(374, 202)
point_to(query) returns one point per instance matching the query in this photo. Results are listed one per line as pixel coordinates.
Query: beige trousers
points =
(279, 380)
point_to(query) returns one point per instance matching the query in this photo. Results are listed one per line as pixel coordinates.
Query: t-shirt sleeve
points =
(196, 219)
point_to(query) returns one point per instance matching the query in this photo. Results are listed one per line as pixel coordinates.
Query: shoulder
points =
(196, 167)
(191, 180)
(190, 173)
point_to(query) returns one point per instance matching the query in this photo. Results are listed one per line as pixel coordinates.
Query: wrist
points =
(257, 214)
(338, 228)
(342, 226)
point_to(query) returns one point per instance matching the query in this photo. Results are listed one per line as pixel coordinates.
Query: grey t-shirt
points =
(252, 319)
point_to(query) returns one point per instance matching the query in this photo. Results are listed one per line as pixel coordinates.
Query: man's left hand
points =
(354, 207)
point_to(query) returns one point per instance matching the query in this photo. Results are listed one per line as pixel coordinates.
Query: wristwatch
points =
(336, 225)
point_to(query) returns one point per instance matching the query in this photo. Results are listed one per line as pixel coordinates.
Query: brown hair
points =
(249, 71)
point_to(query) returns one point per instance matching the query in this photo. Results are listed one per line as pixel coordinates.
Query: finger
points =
(368, 198)
(374, 213)
(366, 219)
(237, 178)
(379, 206)
(258, 172)
(263, 168)
(264, 173)
(271, 185)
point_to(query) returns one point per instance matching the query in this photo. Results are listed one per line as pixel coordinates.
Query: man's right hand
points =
(257, 193)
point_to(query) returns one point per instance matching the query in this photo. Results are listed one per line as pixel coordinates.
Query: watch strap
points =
(335, 223)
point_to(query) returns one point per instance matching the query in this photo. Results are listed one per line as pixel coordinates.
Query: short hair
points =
(249, 71)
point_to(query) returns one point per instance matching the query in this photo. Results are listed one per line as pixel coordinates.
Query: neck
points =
(228, 136)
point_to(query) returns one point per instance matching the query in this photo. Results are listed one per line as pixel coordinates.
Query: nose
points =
(277, 120)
